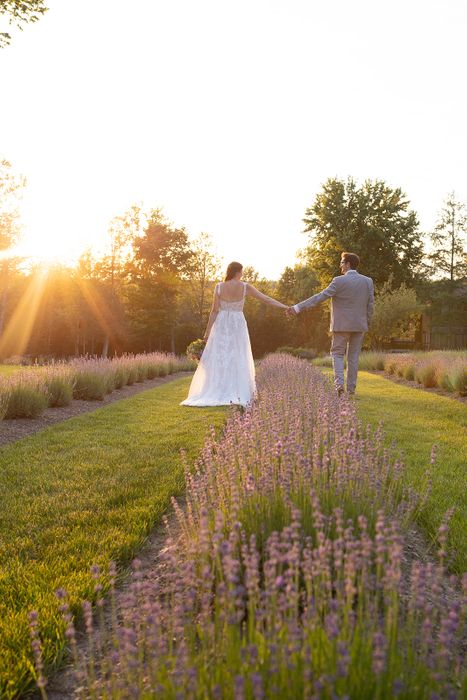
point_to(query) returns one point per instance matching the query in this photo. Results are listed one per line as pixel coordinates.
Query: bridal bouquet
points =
(195, 349)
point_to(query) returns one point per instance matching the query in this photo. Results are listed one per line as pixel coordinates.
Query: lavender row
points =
(287, 575)
(26, 393)
(441, 369)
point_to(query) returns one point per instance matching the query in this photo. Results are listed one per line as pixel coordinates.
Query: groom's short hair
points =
(352, 259)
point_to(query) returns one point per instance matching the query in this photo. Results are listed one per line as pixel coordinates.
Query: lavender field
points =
(288, 573)
(27, 392)
(442, 369)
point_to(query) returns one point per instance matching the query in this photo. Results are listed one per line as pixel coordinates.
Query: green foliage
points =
(426, 375)
(161, 260)
(409, 371)
(3, 404)
(121, 376)
(373, 221)
(458, 380)
(142, 371)
(449, 240)
(303, 353)
(20, 12)
(132, 375)
(195, 349)
(268, 326)
(89, 385)
(25, 400)
(308, 329)
(60, 390)
(83, 492)
(393, 308)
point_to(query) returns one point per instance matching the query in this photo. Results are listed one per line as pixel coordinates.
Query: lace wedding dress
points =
(226, 371)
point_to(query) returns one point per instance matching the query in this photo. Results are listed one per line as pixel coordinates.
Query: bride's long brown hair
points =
(232, 269)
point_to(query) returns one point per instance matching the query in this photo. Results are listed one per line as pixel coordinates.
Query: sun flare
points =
(47, 248)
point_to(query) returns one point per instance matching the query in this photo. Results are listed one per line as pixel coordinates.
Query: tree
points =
(449, 239)
(373, 221)
(20, 12)
(160, 263)
(112, 267)
(393, 308)
(122, 232)
(11, 186)
(205, 269)
(307, 329)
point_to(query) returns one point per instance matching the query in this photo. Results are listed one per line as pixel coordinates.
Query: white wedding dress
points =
(226, 371)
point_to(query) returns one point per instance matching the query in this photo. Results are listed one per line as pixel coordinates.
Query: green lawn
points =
(6, 370)
(85, 491)
(416, 420)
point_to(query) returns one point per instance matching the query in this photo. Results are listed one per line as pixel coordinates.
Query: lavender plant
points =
(28, 392)
(287, 575)
(446, 369)
(26, 395)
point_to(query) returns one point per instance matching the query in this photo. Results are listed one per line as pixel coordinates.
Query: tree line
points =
(152, 290)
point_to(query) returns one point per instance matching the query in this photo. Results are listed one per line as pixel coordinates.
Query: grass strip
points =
(416, 420)
(7, 370)
(84, 491)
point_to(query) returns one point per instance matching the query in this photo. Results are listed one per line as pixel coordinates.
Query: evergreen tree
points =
(449, 239)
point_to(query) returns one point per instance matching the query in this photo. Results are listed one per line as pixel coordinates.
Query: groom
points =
(352, 302)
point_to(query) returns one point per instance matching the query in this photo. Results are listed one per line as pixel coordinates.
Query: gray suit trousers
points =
(346, 342)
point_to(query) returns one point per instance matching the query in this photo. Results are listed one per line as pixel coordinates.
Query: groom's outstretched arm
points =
(317, 298)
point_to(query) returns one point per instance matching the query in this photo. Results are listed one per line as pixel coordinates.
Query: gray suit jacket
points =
(352, 302)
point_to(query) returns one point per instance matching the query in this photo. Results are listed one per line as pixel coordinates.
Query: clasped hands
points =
(290, 312)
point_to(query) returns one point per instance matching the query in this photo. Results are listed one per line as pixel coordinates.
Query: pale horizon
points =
(230, 117)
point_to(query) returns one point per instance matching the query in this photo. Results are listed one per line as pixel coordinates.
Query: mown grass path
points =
(82, 492)
(416, 420)
(6, 370)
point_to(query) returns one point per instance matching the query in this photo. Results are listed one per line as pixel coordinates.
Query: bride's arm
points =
(253, 292)
(213, 314)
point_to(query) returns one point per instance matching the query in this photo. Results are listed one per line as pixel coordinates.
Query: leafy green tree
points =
(307, 329)
(393, 309)
(266, 324)
(20, 12)
(449, 240)
(160, 263)
(372, 220)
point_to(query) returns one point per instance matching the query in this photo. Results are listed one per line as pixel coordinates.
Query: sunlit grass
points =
(85, 491)
(7, 370)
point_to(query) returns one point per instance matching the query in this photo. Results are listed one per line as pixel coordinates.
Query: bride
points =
(226, 371)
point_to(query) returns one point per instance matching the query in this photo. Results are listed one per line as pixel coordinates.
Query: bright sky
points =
(230, 115)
